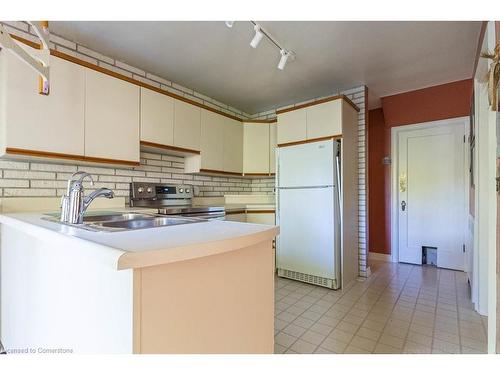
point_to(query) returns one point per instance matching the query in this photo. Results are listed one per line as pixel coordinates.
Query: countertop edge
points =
(193, 251)
(110, 254)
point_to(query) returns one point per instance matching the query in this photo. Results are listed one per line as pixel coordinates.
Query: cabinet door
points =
(111, 117)
(233, 146)
(292, 126)
(261, 218)
(324, 119)
(236, 217)
(157, 117)
(51, 123)
(256, 148)
(187, 125)
(212, 140)
(272, 147)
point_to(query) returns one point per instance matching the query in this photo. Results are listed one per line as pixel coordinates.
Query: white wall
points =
(484, 281)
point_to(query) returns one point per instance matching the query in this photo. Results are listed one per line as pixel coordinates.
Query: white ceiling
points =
(388, 57)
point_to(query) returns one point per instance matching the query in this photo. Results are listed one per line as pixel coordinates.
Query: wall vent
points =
(306, 278)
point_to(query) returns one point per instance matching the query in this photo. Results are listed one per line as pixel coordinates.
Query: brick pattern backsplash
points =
(42, 179)
(32, 178)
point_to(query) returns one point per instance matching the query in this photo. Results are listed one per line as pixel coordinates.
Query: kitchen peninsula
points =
(203, 287)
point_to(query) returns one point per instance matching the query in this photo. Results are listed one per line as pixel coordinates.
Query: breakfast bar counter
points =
(203, 287)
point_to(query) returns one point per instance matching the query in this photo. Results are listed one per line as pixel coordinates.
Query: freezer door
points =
(309, 164)
(308, 232)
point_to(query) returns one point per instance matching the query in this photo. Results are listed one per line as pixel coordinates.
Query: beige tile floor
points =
(401, 308)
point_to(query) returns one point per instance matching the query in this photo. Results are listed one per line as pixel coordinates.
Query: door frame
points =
(395, 132)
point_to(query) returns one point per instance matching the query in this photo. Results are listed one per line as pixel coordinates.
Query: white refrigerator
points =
(308, 213)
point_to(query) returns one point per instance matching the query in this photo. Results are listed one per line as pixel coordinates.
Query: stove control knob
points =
(140, 189)
(187, 191)
(149, 190)
(181, 190)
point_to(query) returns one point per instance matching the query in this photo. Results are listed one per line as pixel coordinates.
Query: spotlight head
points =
(257, 37)
(229, 24)
(284, 58)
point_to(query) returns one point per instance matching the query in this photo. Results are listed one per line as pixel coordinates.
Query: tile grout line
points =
(395, 303)
(347, 345)
(378, 299)
(316, 320)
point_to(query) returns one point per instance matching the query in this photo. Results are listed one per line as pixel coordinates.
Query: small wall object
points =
(493, 76)
(402, 182)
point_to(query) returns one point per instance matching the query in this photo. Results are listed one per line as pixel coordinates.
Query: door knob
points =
(403, 205)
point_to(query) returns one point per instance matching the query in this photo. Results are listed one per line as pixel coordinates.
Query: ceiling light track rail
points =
(285, 54)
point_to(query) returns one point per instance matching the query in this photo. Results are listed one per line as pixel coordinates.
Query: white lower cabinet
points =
(48, 123)
(267, 218)
(187, 125)
(241, 217)
(233, 146)
(255, 148)
(212, 140)
(111, 117)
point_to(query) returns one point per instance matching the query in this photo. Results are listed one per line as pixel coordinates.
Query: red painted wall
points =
(430, 104)
(379, 180)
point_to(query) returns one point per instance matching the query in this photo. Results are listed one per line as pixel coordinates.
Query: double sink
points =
(115, 222)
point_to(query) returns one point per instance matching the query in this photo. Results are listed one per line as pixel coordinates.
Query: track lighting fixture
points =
(284, 58)
(257, 37)
(285, 55)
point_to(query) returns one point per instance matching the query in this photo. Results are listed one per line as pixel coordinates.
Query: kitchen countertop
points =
(147, 247)
(248, 207)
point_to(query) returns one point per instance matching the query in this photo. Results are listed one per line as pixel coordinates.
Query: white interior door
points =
(431, 193)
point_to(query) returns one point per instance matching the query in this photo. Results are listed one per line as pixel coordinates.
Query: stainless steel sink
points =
(150, 222)
(114, 217)
(125, 221)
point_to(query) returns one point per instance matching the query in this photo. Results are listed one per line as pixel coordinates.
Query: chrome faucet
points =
(74, 203)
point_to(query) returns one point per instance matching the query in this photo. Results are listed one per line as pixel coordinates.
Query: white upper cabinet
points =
(49, 123)
(272, 147)
(233, 146)
(212, 140)
(315, 121)
(187, 125)
(256, 148)
(292, 126)
(324, 119)
(157, 117)
(111, 117)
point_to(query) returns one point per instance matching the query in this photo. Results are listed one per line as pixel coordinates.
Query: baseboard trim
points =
(380, 256)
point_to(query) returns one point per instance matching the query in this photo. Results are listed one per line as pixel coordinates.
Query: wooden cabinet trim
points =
(169, 148)
(239, 212)
(221, 172)
(310, 140)
(56, 155)
(250, 211)
(268, 121)
(321, 101)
